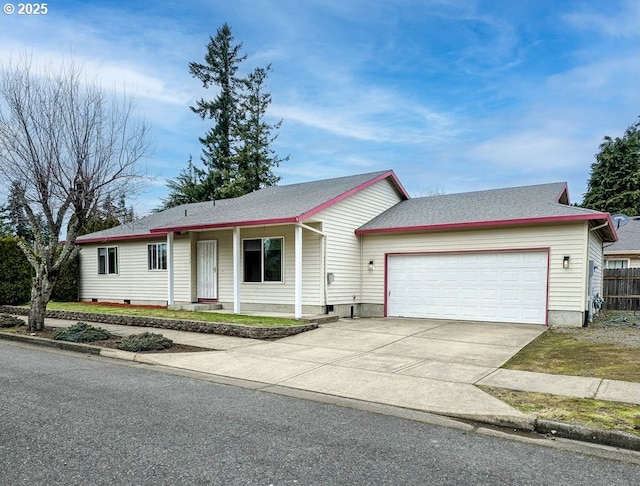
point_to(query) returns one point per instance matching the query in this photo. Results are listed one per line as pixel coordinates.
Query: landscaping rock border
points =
(226, 329)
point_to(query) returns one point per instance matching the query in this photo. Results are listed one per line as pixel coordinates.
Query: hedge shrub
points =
(81, 332)
(147, 341)
(16, 275)
(67, 286)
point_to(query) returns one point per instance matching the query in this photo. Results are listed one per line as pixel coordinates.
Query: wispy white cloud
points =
(618, 20)
(456, 93)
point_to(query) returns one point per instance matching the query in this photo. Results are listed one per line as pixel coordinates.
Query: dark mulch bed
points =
(113, 342)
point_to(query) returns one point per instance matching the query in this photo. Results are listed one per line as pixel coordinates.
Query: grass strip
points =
(623, 417)
(558, 353)
(258, 321)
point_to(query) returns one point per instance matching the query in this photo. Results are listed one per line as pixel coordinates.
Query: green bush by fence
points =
(16, 275)
(66, 289)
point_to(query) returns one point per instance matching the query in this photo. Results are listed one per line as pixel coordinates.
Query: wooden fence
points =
(621, 289)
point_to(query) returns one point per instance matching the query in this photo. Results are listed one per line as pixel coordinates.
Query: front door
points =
(207, 270)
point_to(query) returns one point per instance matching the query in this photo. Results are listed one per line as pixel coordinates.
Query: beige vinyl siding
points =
(134, 281)
(270, 292)
(565, 285)
(343, 246)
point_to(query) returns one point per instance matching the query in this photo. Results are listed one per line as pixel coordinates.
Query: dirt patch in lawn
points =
(624, 417)
(608, 348)
(112, 342)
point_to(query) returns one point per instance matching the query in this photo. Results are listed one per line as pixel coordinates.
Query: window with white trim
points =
(157, 256)
(108, 260)
(616, 264)
(263, 259)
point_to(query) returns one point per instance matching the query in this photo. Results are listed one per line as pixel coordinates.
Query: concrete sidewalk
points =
(430, 366)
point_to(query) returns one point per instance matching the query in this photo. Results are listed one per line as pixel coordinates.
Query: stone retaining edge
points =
(226, 329)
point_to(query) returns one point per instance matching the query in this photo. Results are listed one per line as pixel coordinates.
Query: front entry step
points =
(197, 306)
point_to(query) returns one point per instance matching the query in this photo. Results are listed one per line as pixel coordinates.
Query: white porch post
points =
(298, 272)
(236, 270)
(170, 271)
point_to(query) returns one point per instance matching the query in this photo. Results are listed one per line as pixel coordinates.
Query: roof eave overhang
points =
(604, 217)
(107, 239)
(228, 224)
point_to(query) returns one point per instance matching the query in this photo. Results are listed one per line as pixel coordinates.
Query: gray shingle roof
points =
(497, 205)
(286, 202)
(628, 238)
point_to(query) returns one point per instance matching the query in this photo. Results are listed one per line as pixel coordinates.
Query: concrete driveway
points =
(443, 350)
(425, 365)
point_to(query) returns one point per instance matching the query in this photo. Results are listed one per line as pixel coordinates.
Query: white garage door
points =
(496, 286)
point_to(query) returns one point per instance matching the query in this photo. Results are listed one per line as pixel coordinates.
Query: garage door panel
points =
(498, 286)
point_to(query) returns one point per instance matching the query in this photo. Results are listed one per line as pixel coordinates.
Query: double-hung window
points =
(263, 259)
(157, 256)
(616, 264)
(108, 260)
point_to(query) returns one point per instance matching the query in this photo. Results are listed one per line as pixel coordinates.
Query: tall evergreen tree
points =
(15, 215)
(186, 188)
(256, 158)
(220, 69)
(614, 184)
(236, 155)
(108, 215)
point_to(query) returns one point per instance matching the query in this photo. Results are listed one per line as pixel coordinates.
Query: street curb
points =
(70, 346)
(528, 423)
(50, 343)
(583, 433)
(118, 354)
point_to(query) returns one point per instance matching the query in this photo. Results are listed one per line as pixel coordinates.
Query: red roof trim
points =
(255, 222)
(355, 190)
(105, 239)
(480, 224)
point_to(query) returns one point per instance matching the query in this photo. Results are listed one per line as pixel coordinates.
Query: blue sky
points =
(453, 95)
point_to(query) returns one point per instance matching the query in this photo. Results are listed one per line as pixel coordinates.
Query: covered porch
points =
(249, 269)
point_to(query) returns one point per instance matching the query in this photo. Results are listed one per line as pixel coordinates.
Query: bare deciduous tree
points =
(67, 144)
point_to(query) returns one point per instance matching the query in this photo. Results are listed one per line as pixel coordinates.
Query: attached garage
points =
(521, 255)
(499, 286)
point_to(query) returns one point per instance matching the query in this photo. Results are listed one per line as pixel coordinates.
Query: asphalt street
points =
(71, 419)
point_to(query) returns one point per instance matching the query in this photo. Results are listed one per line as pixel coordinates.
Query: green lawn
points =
(574, 352)
(623, 417)
(260, 321)
(558, 352)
